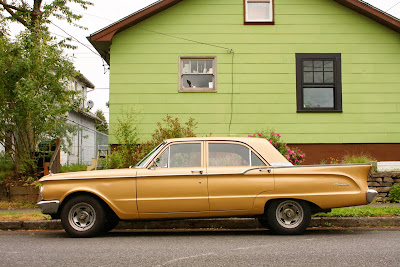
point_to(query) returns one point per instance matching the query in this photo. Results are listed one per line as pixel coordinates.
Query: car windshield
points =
(148, 157)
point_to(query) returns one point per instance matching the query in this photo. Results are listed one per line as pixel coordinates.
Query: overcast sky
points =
(105, 12)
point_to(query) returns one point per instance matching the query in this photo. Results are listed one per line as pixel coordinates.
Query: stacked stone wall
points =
(383, 182)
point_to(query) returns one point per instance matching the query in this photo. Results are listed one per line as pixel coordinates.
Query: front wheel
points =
(288, 216)
(83, 216)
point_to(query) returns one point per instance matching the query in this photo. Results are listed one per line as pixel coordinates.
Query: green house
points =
(323, 73)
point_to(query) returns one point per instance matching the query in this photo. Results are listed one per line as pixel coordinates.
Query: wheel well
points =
(313, 207)
(107, 208)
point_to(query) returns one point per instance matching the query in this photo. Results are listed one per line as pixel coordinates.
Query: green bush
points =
(361, 158)
(6, 166)
(131, 150)
(394, 193)
(73, 168)
(6, 163)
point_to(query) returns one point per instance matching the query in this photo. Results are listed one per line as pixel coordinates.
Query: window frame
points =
(259, 22)
(168, 147)
(251, 151)
(337, 84)
(182, 89)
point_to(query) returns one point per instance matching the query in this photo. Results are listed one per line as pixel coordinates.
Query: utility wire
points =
(229, 50)
(189, 40)
(393, 6)
(76, 39)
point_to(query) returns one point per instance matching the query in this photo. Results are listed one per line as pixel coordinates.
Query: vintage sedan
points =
(204, 177)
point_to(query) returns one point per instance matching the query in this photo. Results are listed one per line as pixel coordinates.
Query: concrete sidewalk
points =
(227, 223)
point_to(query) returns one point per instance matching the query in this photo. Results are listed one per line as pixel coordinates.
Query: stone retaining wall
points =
(383, 182)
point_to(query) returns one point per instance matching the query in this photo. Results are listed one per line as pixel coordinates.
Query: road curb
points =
(229, 223)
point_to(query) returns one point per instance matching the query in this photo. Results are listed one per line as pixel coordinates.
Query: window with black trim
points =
(259, 11)
(197, 74)
(228, 154)
(180, 155)
(319, 82)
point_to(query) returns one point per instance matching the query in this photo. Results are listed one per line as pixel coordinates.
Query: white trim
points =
(271, 4)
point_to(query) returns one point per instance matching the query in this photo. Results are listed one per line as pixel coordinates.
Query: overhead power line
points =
(393, 6)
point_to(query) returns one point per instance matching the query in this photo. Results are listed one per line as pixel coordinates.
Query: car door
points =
(234, 179)
(176, 182)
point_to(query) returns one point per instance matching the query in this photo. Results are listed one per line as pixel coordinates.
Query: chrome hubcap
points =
(82, 216)
(289, 214)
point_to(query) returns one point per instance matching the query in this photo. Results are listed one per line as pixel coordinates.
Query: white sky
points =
(105, 12)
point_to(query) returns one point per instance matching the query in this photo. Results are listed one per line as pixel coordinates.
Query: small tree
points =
(34, 79)
(34, 97)
(130, 150)
(101, 126)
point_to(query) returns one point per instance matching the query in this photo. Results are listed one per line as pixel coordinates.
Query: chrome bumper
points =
(371, 193)
(49, 207)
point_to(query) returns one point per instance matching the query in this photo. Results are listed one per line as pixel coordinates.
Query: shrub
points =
(73, 168)
(293, 155)
(361, 158)
(130, 150)
(350, 158)
(394, 193)
(6, 166)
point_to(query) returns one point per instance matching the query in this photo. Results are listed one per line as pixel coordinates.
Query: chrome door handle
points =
(199, 172)
(265, 170)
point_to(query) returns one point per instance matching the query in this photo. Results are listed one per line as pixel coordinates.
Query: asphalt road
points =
(321, 247)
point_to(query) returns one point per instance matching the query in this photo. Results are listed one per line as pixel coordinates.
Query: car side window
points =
(255, 160)
(227, 154)
(180, 155)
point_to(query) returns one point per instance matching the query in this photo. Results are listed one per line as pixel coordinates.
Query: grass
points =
(363, 211)
(22, 216)
(23, 204)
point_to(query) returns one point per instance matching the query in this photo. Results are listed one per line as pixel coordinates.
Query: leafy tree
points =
(35, 91)
(36, 16)
(101, 127)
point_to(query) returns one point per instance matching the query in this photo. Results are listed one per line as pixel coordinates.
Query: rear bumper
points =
(371, 193)
(49, 207)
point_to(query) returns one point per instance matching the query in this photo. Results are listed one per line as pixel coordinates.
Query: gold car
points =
(204, 177)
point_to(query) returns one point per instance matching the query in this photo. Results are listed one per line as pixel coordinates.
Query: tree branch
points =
(4, 4)
(9, 9)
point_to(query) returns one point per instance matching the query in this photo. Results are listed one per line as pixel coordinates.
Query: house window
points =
(197, 74)
(259, 11)
(319, 82)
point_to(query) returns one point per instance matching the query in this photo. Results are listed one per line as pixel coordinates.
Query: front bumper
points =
(49, 207)
(371, 193)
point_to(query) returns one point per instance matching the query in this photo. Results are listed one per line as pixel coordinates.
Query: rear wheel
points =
(288, 216)
(83, 216)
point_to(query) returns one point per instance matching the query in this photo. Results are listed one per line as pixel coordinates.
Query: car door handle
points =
(199, 172)
(265, 170)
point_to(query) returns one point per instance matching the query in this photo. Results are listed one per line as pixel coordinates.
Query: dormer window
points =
(259, 11)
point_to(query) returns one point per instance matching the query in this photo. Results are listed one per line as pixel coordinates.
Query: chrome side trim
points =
(371, 193)
(49, 207)
(86, 178)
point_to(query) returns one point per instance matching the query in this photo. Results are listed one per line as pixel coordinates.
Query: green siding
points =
(144, 71)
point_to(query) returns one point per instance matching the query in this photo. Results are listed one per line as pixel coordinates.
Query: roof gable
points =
(101, 40)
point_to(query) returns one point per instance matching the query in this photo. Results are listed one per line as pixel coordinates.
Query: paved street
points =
(322, 247)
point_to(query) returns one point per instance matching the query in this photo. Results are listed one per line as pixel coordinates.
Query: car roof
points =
(260, 145)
